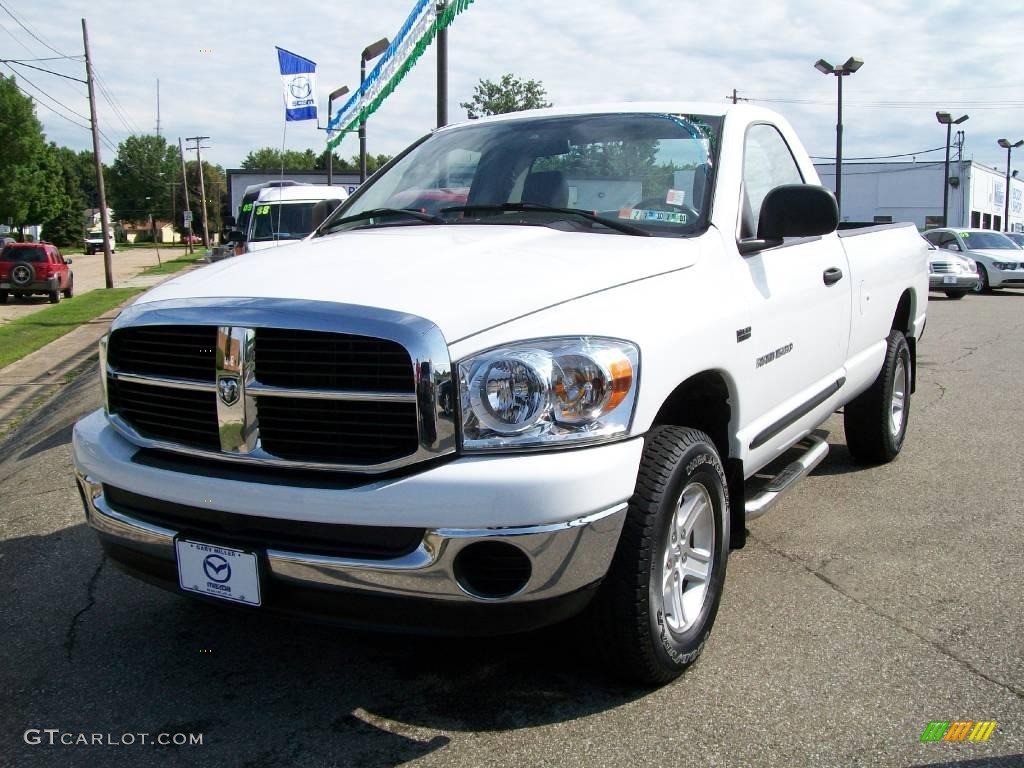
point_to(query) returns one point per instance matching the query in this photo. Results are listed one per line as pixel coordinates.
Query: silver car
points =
(1000, 261)
(953, 273)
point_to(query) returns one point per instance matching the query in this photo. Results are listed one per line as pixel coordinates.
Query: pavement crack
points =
(935, 645)
(69, 638)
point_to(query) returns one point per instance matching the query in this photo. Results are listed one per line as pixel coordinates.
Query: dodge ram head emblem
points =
(227, 388)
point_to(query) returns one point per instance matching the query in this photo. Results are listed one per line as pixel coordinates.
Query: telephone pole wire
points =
(108, 270)
(202, 184)
(184, 183)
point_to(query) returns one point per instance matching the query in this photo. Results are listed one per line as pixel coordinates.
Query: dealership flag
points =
(299, 78)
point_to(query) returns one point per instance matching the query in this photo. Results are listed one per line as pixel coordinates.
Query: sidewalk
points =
(32, 382)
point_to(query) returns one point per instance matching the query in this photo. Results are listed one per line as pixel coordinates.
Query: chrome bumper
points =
(564, 557)
(963, 281)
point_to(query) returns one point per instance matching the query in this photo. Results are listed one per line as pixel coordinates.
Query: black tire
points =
(628, 615)
(22, 275)
(983, 284)
(955, 294)
(3, 297)
(69, 292)
(54, 297)
(871, 434)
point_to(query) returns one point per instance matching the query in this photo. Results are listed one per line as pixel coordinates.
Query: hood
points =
(464, 278)
(996, 254)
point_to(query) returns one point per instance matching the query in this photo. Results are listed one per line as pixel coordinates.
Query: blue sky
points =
(218, 70)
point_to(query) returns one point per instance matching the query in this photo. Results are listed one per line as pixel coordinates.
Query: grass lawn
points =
(173, 265)
(27, 334)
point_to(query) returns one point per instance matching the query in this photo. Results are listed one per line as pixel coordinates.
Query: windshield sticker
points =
(675, 197)
(661, 217)
(262, 210)
(247, 207)
(965, 234)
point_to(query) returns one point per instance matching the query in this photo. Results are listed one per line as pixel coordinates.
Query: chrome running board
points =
(760, 503)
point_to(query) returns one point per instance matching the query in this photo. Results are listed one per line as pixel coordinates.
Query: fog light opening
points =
(492, 570)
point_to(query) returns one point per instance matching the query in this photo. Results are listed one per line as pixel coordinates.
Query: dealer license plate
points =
(230, 574)
(949, 280)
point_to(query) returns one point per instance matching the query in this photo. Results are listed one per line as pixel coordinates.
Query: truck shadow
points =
(101, 652)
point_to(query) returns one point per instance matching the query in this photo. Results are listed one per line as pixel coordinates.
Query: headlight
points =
(1004, 265)
(548, 393)
(972, 265)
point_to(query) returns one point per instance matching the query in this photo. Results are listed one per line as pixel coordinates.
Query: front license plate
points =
(949, 280)
(230, 574)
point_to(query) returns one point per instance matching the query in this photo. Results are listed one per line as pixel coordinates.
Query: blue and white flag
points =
(299, 78)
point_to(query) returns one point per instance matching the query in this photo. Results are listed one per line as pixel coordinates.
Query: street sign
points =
(188, 218)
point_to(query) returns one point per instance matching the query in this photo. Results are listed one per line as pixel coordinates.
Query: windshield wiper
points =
(628, 229)
(375, 212)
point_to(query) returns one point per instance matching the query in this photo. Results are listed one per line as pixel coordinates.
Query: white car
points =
(286, 215)
(952, 273)
(1000, 261)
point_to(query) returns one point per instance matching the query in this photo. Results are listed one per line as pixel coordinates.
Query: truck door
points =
(799, 297)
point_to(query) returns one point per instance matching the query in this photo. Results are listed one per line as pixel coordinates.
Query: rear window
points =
(21, 253)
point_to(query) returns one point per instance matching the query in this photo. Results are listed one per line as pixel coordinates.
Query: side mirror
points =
(236, 236)
(793, 210)
(67, 261)
(952, 246)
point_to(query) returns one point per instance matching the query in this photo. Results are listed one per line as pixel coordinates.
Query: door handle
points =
(832, 275)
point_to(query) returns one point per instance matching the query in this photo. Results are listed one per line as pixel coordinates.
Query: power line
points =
(46, 58)
(41, 69)
(880, 157)
(33, 34)
(44, 104)
(115, 105)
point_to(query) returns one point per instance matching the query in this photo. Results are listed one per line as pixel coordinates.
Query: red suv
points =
(27, 268)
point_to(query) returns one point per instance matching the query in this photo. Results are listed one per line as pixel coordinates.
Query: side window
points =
(948, 238)
(767, 163)
(932, 237)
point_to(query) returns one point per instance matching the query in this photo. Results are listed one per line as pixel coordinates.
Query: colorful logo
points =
(958, 730)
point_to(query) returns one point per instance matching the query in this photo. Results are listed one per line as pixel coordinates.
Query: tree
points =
(24, 187)
(269, 158)
(216, 197)
(66, 226)
(141, 176)
(509, 95)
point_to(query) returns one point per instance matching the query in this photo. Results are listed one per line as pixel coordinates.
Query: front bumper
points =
(1005, 278)
(960, 282)
(562, 511)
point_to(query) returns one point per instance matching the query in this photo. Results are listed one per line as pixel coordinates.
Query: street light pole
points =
(846, 69)
(1005, 144)
(947, 120)
(330, 152)
(370, 52)
(442, 68)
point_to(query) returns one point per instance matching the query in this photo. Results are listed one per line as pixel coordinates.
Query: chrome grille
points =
(941, 267)
(183, 416)
(287, 395)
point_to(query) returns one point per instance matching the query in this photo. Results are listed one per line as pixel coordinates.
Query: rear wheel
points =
(55, 296)
(955, 294)
(876, 421)
(655, 609)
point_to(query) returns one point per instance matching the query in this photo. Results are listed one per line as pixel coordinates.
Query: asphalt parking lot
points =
(866, 604)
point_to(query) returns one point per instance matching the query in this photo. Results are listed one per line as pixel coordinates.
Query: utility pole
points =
(442, 68)
(735, 98)
(184, 183)
(158, 106)
(202, 184)
(108, 270)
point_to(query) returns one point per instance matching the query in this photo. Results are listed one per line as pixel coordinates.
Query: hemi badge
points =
(742, 334)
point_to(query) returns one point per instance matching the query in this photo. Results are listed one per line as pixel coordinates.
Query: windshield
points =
(1017, 237)
(290, 221)
(987, 241)
(651, 172)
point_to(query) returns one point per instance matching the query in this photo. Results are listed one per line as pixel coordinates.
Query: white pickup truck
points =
(541, 364)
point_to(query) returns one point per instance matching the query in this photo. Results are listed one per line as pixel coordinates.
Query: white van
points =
(285, 215)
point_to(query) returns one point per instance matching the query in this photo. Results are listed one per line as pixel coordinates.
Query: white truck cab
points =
(285, 215)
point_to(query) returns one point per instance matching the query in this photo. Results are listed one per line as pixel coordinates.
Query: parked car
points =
(494, 415)
(953, 273)
(94, 241)
(999, 259)
(286, 215)
(28, 268)
(191, 239)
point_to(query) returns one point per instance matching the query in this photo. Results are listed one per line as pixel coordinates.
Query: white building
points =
(888, 192)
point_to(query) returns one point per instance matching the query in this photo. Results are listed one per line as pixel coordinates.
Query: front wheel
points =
(876, 421)
(656, 606)
(69, 292)
(983, 284)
